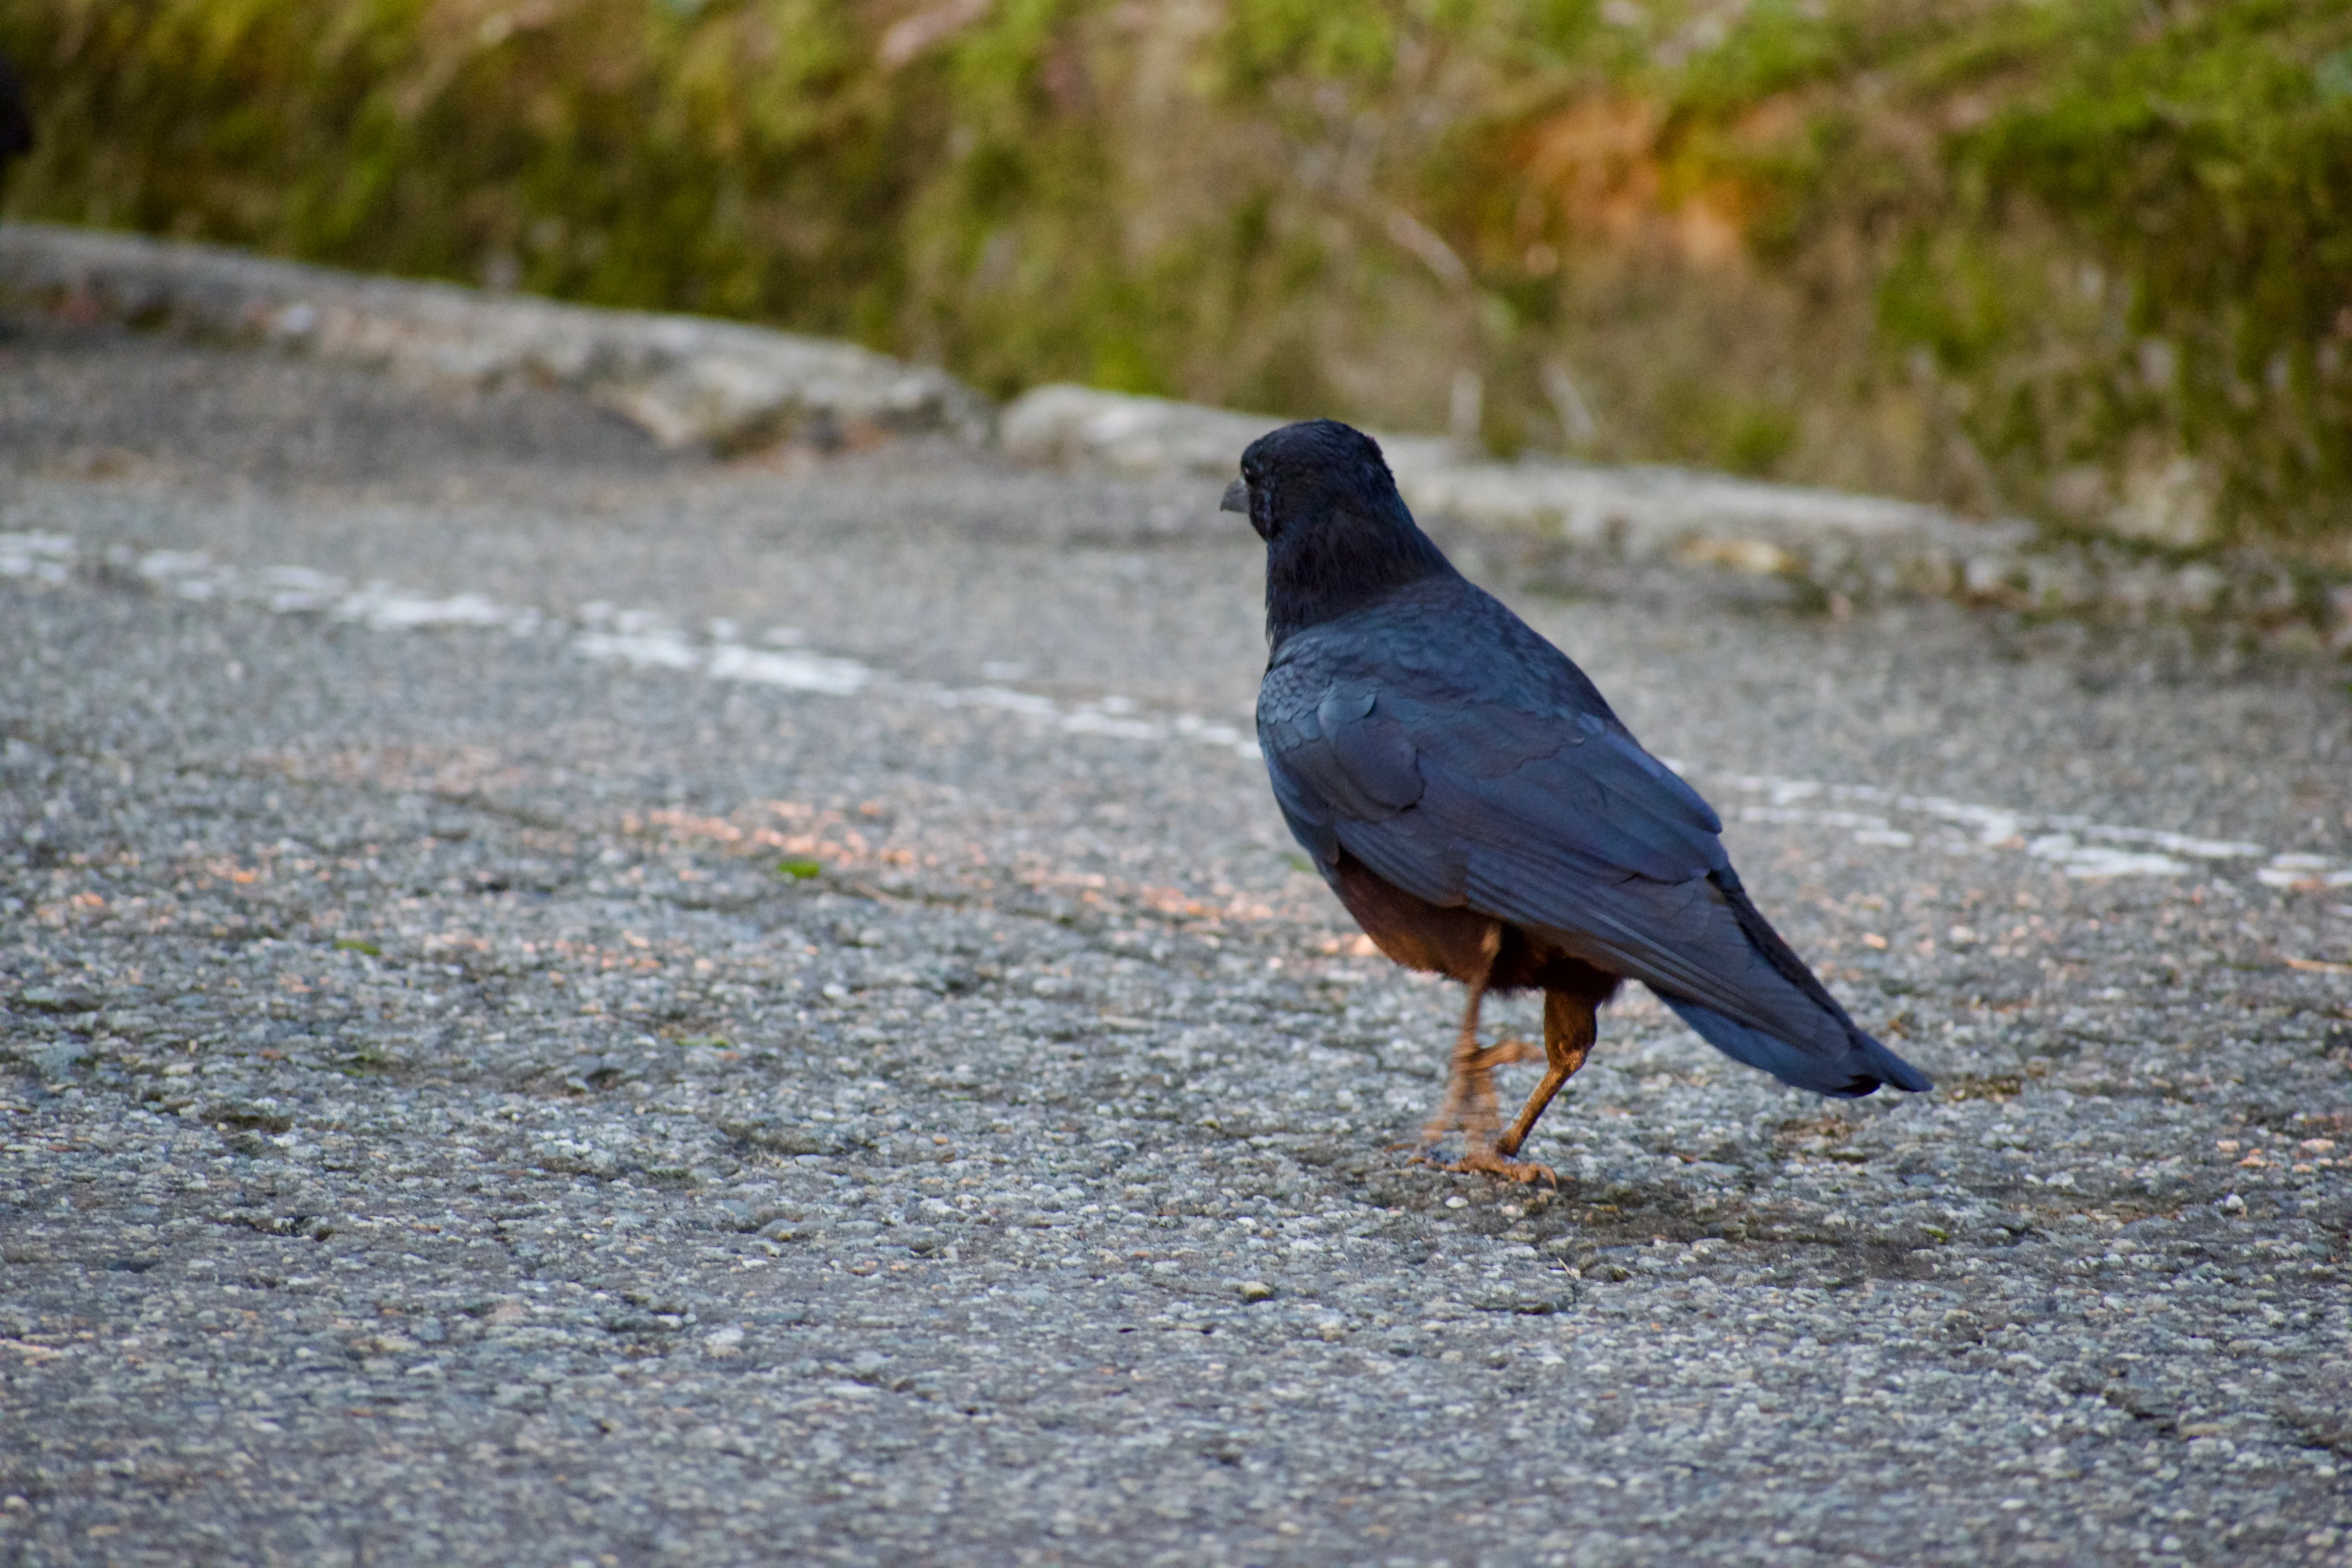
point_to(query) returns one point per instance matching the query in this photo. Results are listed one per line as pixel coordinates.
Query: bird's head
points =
(1338, 535)
(1313, 473)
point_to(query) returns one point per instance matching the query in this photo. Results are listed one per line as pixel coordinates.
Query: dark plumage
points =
(1471, 798)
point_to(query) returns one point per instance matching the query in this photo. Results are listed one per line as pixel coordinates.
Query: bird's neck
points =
(1318, 574)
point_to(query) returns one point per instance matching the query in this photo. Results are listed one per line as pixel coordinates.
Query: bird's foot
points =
(1503, 1051)
(1469, 1109)
(1488, 1163)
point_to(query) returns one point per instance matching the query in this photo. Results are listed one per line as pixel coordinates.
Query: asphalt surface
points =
(561, 1004)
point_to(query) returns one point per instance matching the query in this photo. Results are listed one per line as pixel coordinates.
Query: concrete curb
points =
(690, 380)
(683, 378)
(1846, 546)
(1635, 514)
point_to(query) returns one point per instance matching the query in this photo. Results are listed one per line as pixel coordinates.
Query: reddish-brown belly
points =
(1453, 942)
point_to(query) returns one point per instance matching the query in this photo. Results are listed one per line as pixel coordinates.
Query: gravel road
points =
(564, 1004)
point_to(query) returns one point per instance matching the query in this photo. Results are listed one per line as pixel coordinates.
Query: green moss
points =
(1944, 294)
(1757, 438)
(1972, 249)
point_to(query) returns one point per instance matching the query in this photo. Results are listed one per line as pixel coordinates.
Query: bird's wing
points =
(1358, 733)
(1329, 764)
(1540, 812)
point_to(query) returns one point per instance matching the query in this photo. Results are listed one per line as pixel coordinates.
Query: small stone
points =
(1256, 1291)
(59, 1060)
(52, 999)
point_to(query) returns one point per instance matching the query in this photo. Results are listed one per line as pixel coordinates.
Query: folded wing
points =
(1538, 807)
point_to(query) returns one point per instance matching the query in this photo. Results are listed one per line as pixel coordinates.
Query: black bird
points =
(1472, 801)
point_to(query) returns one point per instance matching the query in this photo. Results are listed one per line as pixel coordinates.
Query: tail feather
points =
(1819, 1047)
(1848, 1074)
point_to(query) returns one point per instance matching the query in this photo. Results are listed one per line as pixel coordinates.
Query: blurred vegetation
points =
(2085, 259)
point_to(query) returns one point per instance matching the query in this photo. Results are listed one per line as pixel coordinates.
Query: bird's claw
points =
(1503, 1051)
(1486, 1163)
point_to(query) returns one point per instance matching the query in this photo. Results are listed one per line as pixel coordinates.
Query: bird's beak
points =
(1236, 498)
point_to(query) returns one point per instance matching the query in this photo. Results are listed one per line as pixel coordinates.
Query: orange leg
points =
(1570, 1027)
(1469, 1102)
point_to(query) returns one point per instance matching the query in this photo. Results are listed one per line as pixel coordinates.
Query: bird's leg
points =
(1469, 1102)
(1466, 1083)
(1570, 1027)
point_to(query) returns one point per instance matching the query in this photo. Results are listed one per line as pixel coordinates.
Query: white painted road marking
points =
(647, 639)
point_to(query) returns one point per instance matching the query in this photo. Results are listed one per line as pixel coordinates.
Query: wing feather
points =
(1506, 784)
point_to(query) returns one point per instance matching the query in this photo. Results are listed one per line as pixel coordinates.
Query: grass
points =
(2084, 261)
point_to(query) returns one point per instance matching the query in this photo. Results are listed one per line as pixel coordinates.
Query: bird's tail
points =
(1857, 1070)
(1817, 1045)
